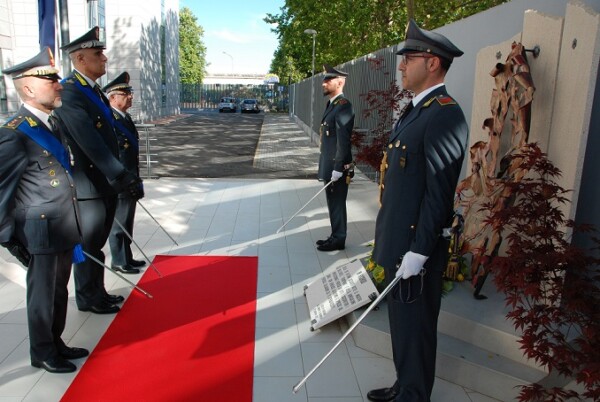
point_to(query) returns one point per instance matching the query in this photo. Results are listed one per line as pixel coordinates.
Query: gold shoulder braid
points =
(382, 169)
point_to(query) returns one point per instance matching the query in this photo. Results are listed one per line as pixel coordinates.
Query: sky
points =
(236, 37)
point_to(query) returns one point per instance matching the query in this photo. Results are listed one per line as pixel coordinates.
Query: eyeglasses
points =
(407, 57)
(125, 94)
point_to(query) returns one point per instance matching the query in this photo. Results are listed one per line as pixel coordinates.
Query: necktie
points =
(101, 95)
(407, 109)
(52, 122)
(98, 91)
(404, 113)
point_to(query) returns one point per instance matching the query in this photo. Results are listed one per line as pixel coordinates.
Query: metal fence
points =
(147, 155)
(375, 71)
(273, 97)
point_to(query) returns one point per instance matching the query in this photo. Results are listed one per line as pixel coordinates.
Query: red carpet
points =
(193, 342)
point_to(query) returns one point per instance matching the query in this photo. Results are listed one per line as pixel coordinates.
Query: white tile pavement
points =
(236, 217)
(232, 217)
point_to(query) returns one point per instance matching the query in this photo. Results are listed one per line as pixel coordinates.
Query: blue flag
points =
(47, 24)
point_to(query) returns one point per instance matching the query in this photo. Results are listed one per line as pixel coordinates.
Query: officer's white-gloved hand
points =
(335, 175)
(412, 263)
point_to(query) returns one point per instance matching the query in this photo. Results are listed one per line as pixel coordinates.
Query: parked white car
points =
(227, 105)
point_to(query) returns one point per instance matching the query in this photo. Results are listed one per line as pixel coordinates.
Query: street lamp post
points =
(231, 57)
(312, 84)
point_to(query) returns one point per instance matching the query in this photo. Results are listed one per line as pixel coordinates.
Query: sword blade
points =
(97, 261)
(362, 316)
(139, 248)
(155, 221)
(304, 206)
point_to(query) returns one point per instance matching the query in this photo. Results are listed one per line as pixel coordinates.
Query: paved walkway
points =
(236, 217)
(283, 146)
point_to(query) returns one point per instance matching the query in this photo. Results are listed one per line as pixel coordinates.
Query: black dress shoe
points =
(382, 394)
(136, 263)
(55, 365)
(113, 299)
(321, 242)
(126, 269)
(102, 308)
(331, 245)
(72, 353)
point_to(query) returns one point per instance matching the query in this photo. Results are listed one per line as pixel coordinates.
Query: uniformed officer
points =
(86, 121)
(424, 158)
(120, 96)
(38, 210)
(335, 160)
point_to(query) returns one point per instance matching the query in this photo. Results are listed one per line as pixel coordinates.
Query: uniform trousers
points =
(336, 196)
(97, 216)
(413, 308)
(47, 299)
(120, 244)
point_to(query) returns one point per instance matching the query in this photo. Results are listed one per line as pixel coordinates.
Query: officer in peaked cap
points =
(90, 40)
(39, 222)
(40, 66)
(87, 123)
(423, 160)
(420, 40)
(120, 96)
(120, 83)
(330, 72)
(335, 160)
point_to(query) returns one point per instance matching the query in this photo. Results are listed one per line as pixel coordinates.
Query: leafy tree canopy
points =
(192, 52)
(347, 29)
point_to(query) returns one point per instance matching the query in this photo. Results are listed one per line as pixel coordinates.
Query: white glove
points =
(412, 263)
(335, 175)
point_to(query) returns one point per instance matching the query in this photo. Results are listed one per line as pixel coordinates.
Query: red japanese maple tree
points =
(551, 285)
(381, 105)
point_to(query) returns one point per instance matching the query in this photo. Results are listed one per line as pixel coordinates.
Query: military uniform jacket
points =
(424, 159)
(335, 133)
(37, 195)
(91, 137)
(128, 150)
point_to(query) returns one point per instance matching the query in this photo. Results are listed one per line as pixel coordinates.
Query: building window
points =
(97, 16)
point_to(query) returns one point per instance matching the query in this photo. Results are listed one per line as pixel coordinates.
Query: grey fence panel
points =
(207, 96)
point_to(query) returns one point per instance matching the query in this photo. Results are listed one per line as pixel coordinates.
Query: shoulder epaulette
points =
(14, 122)
(445, 100)
(340, 101)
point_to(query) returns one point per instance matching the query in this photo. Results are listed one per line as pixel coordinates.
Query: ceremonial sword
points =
(97, 261)
(349, 166)
(362, 316)
(139, 248)
(159, 225)
(304, 206)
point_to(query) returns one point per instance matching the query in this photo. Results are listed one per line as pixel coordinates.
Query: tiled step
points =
(472, 354)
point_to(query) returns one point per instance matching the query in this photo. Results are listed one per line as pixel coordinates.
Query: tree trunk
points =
(410, 9)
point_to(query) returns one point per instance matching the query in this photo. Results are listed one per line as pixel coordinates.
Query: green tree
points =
(347, 29)
(192, 52)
